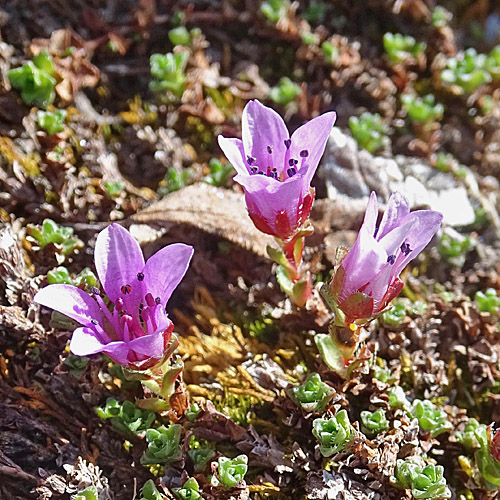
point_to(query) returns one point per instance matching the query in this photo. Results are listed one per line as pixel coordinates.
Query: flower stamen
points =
(303, 154)
(405, 248)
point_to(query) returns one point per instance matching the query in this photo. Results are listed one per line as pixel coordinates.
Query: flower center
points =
(126, 321)
(405, 250)
(289, 168)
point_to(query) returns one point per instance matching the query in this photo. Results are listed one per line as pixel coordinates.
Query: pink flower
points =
(367, 279)
(275, 169)
(133, 328)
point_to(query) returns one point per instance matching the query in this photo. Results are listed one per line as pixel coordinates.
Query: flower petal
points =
(70, 301)
(118, 260)
(165, 269)
(312, 137)
(277, 197)
(371, 214)
(119, 351)
(393, 291)
(233, 149)
(151, 346)
(426, 225)
(393, 240)
(252, 183)
(363, 262)
(378, 286)
(85, 342)
(397, 208)
(263, 127)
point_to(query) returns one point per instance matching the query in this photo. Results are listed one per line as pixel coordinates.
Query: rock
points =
(351, 173)
(334, 486)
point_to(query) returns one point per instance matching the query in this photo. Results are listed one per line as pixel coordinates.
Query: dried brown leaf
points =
(214, 210)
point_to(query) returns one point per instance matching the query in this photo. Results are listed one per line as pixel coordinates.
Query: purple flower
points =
(367, 279)
(275, 169)
(133, 329)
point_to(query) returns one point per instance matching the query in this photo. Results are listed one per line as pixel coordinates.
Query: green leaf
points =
(52, 121)
(369, 131)
(424, 482)
(179, 36)
(430, 418)
(189, 491)
(126, 417)
(285, 92)
(333, 434)
(373, 423)
(163, 445)
(232, 472)
(488, 301)
(331, 354)
(36, 85)
(399, 47)
(168, 71)
(395, 315)
(397, 398)
(274, 10)
(89, 493)
(150, 492)
(284, 281)
(59, 275)
(313, 395)
(200, 458)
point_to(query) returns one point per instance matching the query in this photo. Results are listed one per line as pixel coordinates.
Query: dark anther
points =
(295, 162)
(391, 259)
(270, 149)
(273, 174)
(94, 321)
(254, 170)
(95, 291)
(157, 301)
(291, 172)
(260, 172)
(292, 162)
(140, 276)
(250, 160)
(405, 248)
(304, 153)
(126, 289)
(288, 143)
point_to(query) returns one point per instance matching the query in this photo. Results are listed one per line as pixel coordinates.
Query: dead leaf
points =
(214, 210)
(71, 55)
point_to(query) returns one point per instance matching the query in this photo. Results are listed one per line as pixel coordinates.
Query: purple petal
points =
(277, 197)
(377, 288)
(118, 260)
(312, 137)
(165, 269)
(151, 346)
(397, 208)
(393, 240)
(371, 214)
(254, 183)
(70, 301)
(85, 342)
(263, 127)
(426, 225)
(233, 149)
(119, 352)
(363, 262)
